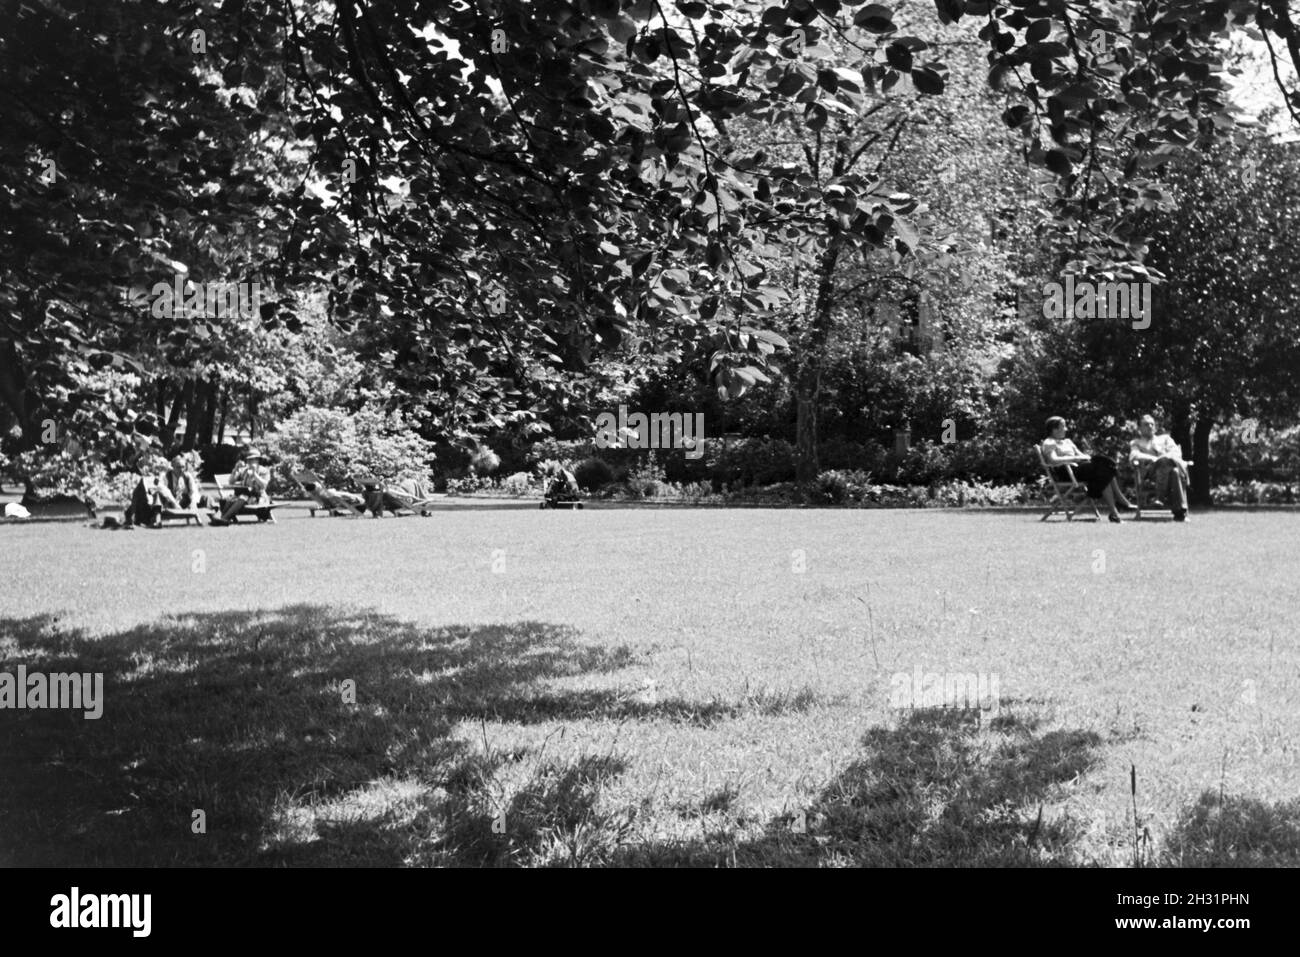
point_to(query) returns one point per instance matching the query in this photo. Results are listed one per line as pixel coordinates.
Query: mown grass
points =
(656, 688)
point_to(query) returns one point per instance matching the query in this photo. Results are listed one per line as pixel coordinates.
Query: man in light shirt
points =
(1163, 456)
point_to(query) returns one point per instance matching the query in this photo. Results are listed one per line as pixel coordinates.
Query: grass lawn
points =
(656, 686)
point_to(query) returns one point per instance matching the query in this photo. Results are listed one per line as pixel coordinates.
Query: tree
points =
(496, 193)
(1224, 339)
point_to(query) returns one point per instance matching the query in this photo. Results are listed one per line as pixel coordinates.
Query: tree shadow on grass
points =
(245, 716)
(1233, 831)
(936, 791)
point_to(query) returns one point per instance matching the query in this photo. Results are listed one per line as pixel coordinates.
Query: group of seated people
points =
(1148, 450)
(174, 487)
(163, 485)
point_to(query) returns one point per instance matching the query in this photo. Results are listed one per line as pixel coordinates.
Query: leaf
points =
(950, 11)
(770, 337)
(899, 56)
(1038, 30)
(1015, 116)
(621, 29)
(875, 18)
(927, 81)
(1059, 163)
(907, 233)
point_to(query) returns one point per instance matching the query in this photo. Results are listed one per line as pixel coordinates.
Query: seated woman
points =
(151, 495)
(1097, 472)
(249, 474)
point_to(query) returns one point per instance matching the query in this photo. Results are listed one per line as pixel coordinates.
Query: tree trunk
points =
(809, 386)
(225, 409)
(191, 415)
(810, 376)
(208, 422)
(1200, 490)
(15, 394)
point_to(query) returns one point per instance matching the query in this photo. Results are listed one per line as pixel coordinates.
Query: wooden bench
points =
(183, 515)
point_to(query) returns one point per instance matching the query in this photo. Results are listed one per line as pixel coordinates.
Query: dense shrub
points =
(336, 445)
(484, 461)
(832, 487)
(839, 454)
(646, 479)
(593, 474)
(1254, 492)
(58, 472)
(469, 485)
(754, 461)
(565, 451)
(923, 464)
(519, 483)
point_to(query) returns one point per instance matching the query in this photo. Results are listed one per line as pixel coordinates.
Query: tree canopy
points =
(505, 206)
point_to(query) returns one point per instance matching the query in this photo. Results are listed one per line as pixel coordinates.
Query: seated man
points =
(1163, 455)
(182, 484)
(252, 475)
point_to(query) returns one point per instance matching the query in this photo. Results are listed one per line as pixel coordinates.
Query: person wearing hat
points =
(252, 475)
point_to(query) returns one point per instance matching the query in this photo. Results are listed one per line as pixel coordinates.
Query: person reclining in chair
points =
(410, 493)
(1164, 457)
(252, 475)
(1097, 472)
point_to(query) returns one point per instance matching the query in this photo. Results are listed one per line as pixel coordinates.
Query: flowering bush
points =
(1254, 492)
(336, 445)
(469, 485)
(646, 480)
(59, 472)
(484, 461)
(519, 483)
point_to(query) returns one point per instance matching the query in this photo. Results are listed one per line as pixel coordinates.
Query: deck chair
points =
(1144, 486)
(183, 515)
(263, 513)
(1061, 494)
(326, 501)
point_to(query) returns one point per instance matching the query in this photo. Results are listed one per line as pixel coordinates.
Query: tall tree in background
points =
(1225, 336)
